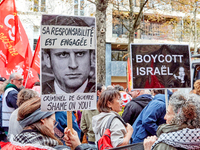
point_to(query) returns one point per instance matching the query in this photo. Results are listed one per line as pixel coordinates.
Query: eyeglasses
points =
(19, 79)
(55, 122)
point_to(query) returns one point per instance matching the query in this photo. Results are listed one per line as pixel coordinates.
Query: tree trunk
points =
(101, 7)
(195, 29)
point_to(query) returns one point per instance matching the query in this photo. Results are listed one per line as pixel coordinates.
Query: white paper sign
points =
(68, 102)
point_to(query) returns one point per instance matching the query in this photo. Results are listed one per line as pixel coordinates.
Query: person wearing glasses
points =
(11, 89)
(38, 126)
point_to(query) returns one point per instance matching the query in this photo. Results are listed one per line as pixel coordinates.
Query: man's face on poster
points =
(71, 67)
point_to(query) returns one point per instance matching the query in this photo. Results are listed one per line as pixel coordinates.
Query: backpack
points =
(104, 142)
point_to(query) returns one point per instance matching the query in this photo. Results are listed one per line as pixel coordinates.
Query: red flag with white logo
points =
(15, 51)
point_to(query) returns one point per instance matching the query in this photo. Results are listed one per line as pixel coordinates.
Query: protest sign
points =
(160, 66)
(68, 102)
(68, 50)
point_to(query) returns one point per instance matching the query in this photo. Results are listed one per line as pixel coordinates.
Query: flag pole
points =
(27, 76)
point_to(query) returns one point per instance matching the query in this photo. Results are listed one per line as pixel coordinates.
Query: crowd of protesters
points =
(147, 123)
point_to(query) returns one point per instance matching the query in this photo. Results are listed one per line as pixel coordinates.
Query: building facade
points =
(30, 12)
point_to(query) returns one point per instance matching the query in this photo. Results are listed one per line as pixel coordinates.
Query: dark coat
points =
(149, 119)
(134, 107)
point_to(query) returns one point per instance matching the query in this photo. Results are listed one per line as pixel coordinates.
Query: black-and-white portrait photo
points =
(68, 47)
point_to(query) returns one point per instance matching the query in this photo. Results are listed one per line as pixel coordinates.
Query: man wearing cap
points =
(15, 83)
(140, 99)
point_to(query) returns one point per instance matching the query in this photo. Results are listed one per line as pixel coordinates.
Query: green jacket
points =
(86, 123)
(166, 128)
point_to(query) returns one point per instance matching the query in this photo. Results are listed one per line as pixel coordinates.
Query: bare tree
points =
(134, 19)
(101, 6)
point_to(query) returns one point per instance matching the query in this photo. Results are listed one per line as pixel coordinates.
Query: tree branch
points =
(92, 2)
(141, 9)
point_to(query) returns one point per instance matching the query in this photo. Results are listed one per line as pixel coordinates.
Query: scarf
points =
(34, 137)
(185, 138)
(34, 117)
(9, 85)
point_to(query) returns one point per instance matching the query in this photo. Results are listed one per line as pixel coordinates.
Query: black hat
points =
(2, 79)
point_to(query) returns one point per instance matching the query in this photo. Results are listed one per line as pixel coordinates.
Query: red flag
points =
(15, 51)
(129, 76)
(153, 81)
(36, 58)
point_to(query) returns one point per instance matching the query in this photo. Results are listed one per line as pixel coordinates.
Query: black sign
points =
(160, 66)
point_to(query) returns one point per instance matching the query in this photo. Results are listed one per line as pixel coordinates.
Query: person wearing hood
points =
(110, 104)
(182, 128)
(140, 99)
(150, 117)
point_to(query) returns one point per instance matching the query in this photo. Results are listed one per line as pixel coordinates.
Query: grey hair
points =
(147, 92)
(186, 109)
(119, 87)
(12, 76)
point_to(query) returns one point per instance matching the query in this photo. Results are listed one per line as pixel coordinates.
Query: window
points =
(79, 7)
(36, 33)
(119, 55)
(34, 43)
(136, 3)
(119, 29)
(155, 31)
(39, 5)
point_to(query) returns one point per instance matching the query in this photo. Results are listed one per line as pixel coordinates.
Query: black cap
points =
(2, 79)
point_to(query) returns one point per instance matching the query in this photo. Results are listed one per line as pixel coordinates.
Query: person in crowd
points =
(86, 120)
(119, 87)
(182, 128)
(109, 87)
(11, 88)
(126, 98)
(100, 89)
(135, 106)
(61, 118)
(2, 134)
(110, 104)
(38, 127)
(197, 87)
(72, 140)
(23, 96)
(192, 91)
(127, 91)
(36, 87)
(150, 117)
(2, 80)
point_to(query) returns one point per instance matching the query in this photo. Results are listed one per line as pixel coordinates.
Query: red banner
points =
(15, 51)
(129, 77)
(36, 58)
